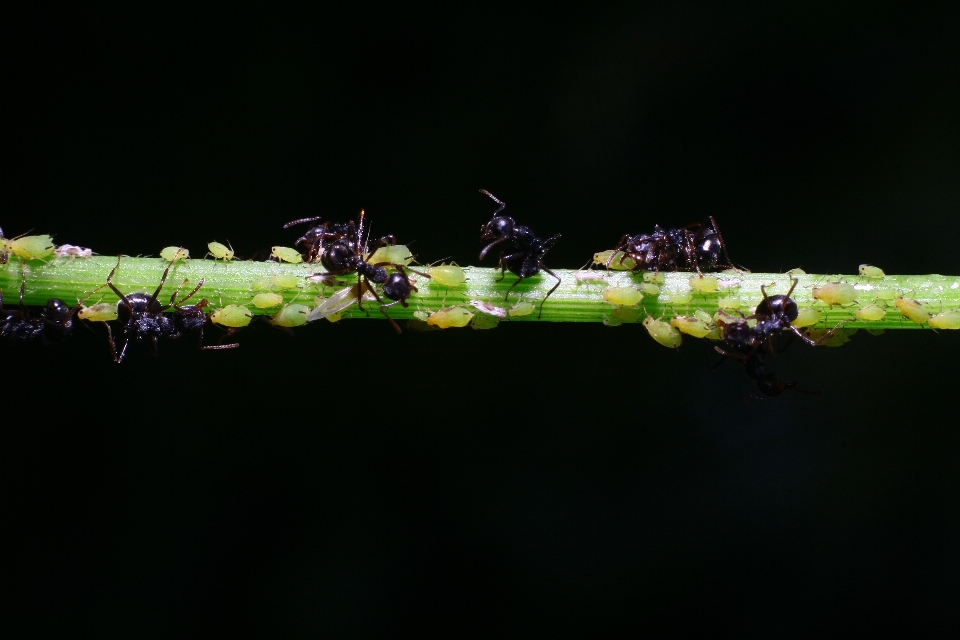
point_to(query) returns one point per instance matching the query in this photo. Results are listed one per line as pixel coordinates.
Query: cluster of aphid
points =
(383, 276)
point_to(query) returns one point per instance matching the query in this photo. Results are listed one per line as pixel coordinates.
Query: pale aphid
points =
(488, 309)
(692, 325)
(220, 251)
(663, 332)
(869, 271)
(392, 254)
(232, 315)
(31, 247)
(835, 293)
(622, 296)
(617, 261)
(286, 254)
(521, 309)
(704, 284)
(100, 312)
(447, 275)
(265, 300)
(806, 317)
(173, 254)
(292, 315)
(912, 310)
(946, 320)
(870, 313)
(72, 252)
(450, 317)
(285, 281)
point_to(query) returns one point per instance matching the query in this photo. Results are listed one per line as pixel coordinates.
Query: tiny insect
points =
(521, 309)
(27, 247)
(663, 332)
(622, 296)
(946, 320)
(266, 300)
(521, 252)
(871, 313)
(704, 284)
(913, 310)
(615, 260)
(286, 254)
(100, 312)
(49, 325)
(232, 316)
(868, 271)
(835, 293)
(450, 317)
(72, 252)
(695, 247)
(173, 254)
(142, 317)
(692, 325)
(447, 275)
(220, 251)
(291, 315)
(488, 309)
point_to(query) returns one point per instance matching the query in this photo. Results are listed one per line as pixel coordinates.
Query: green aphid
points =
(220, 251)
(835, 293)
(663, 332)
(704, 284)
(286, 254)
(868, 271)
(173, 254)
(232, 315)
(447, 275)
(292, 315)
(31, 247)
(622, 296)
(266, 300)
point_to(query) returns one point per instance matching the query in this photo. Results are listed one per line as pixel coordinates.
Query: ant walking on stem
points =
(521, 252)
(695, 247)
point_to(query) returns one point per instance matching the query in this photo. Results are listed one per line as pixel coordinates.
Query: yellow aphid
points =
(871, 313)
(100, 312)
(868, 271)
(267, 300)
(618, 262)
(521, 309)
(335, 317)
(392, 253)
(263, 284)
(232, 315)
(887, 294)
(663, 332)
(450, 317)
(447, 275)
(946, 320)
(691, 325)
(172, 254)
(913, 310)
(838, 338)
(421, 315)
(680, 298)
(706, 284)
(623, 296)
(729, 302)
(627, 314)
(31, 247)
(286, 254)
(833, 293)
(653, 276)
(219, 251)
(806, 317)
(649, 289)
(292, 315)
(285, 281)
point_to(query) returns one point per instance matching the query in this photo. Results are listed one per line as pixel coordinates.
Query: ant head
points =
(736, 332)
(778, 305)
(57, 310)
(498, 227)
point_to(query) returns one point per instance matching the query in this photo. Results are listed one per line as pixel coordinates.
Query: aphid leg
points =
(548, 292)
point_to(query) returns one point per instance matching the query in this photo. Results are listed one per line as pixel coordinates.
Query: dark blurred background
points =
(351, 481)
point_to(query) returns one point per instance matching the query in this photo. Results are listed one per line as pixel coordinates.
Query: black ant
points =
(317, 239)
(53, 324)
(751, 345)
(695, 247)
(346, 254)
(523, 253)
(142, 317)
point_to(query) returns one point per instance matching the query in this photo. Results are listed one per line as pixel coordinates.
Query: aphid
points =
(615, 260)
(100, 312)
(692, 325)
(663, 332)
(484, 321)
(695, 247)
(292, 315)
(946, 320)
(835, 293)
(868, 271)
(232, 316)
(141, 317)
(450, 317)
(871, 313)
(488, 309)
(679, 298)
(392, 254)
(72, 252)
(521, 309)
(28, 247)
(286, 254)
(266, 300)
(649, 289)
(590, 276)
(521, 252)
(704, 284)
(728, 302)
(172, 254)
(447, 275)
(219, 251)
(50, 325)
(887, 294)
(622, 296)
(913, 310)
(285, 281)
(806, 317)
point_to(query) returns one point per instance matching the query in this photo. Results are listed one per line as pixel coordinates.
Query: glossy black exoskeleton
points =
(50, 324)
(318, 239)
(348, 255)
(752, 345)
(521, 251)
(142, 317)
(695, 247)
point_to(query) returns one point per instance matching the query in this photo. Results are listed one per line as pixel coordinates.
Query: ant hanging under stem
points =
(53, 324)
(521, 251)
(142, 317)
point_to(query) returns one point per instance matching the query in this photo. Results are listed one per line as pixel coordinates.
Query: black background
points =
(556, 477)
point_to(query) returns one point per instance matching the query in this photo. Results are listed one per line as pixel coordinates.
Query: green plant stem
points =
(573, 301)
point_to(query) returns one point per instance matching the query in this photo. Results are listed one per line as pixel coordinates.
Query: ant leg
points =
(495, 199)
(549, 292)
(300, 221)
(163, 279)
(383, 310)
(113, 346)
(723, 245)
(515, 283)
(188, 296)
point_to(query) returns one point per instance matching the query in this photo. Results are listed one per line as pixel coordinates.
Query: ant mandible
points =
(142, 317)
(695, 247)
(523, 253)
(349, 254)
